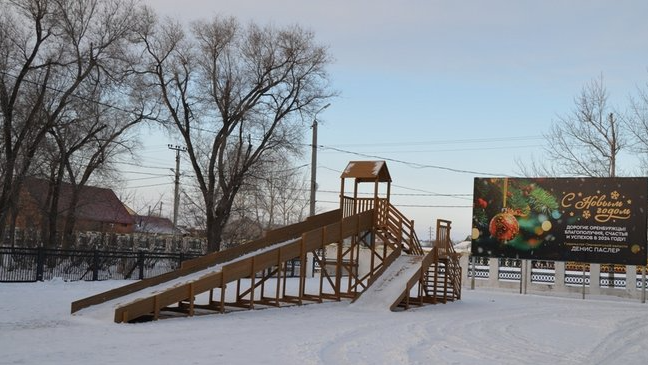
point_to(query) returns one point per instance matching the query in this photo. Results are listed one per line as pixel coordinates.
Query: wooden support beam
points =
(156, 307)
(252, 281)
(278, 281)
(192, 298)
(302, 269)
(222, 294)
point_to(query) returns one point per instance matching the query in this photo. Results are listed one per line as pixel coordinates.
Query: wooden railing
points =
(446, 250)
(443, 241)
(308, 242)
(191, 266)
(454, 270)
(391, 219)
(351, 206)
(270, 237)
(387, 218)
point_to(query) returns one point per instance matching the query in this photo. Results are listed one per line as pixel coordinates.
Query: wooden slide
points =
(148, 297)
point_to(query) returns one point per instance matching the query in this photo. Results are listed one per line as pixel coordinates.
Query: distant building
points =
(98, 209)
(154, 225)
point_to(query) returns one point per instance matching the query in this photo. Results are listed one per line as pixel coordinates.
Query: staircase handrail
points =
(448, 252)
(455, 270)
(417, 278)
(404, 229)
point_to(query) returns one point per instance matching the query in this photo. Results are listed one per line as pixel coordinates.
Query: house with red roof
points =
(98, 209)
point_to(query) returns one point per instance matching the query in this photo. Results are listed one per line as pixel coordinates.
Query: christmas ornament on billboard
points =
(504, 226)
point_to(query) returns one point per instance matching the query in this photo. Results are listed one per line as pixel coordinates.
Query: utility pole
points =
(313, 184)
(176, 193)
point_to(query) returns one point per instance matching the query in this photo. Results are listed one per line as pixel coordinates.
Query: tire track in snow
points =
(359, 346)
(614, 347)
(514, 343)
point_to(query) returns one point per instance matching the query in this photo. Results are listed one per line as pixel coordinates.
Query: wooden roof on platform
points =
(367, 171)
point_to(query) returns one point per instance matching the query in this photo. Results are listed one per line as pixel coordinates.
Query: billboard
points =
(597, 220)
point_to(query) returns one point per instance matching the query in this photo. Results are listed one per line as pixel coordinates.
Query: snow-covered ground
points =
(485, 327)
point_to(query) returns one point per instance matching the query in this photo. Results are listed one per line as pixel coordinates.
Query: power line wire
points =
(412, 164)
(444, 141)
(460, 149)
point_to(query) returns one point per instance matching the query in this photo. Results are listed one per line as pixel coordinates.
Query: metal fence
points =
(19, 264)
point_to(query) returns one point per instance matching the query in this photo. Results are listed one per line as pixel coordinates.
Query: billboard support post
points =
(521, 275)
(472, 279)
(584, 277)
(527, 271)
(643, 284)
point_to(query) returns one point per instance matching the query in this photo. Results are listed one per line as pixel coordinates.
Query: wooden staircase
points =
(440, 275)
(443, 279)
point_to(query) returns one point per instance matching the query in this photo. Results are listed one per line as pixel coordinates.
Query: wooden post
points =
(252, 282)
(278, 281)
(191, 299)
(338, 268)
(342, 198)
(223, 286)
(355, 198)
(321, 262)
(302, 269)
(156, 308)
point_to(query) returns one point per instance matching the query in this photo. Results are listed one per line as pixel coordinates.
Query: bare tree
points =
(280, 194)
(535, 167)
(587, 141)
(234, 93)
(637, 125)
(54, 54)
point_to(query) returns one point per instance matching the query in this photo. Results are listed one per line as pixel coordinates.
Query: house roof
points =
(367, 171)
(95, 204)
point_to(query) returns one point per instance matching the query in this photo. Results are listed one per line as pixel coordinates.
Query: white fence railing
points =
(528, 276)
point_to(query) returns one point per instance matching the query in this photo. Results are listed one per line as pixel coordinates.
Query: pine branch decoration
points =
(542, 201)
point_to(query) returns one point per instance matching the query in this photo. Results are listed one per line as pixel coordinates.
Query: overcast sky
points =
(445, 91)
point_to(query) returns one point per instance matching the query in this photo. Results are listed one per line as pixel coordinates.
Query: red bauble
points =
(504, 227)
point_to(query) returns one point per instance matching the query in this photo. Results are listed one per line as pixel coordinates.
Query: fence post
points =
(95, 264)
(140, 262)
(181, 259)
(40, 262)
